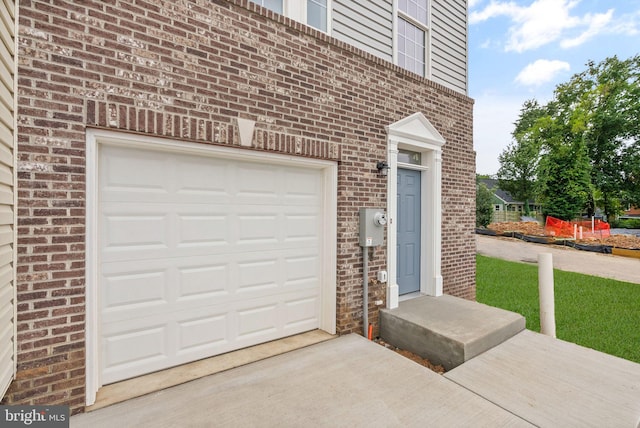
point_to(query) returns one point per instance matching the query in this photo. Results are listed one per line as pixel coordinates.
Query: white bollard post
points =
(575, 231)
(547, 300)
(580, 232)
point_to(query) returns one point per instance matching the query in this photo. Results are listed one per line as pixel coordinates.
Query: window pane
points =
(417, 9)
(407, 156)
(411, 47)
(274, 5)
(317, 14)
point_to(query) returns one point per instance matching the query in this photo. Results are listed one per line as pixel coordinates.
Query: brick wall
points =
(184, 69)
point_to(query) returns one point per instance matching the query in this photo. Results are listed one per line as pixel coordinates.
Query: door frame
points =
(417, 134)
(97, 137)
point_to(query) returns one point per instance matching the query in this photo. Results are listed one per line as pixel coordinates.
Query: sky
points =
(521, 49)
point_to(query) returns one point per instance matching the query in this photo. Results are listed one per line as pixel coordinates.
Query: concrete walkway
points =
(564, 258)
(552, 383)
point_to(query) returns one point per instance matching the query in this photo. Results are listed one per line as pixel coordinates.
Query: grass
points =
(598, 313)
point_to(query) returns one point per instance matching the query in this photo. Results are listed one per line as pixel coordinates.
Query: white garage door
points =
(200, 255)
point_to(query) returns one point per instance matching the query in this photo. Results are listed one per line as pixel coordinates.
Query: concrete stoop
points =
(447, 330)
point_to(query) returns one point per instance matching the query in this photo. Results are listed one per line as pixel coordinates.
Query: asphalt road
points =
(564, 258)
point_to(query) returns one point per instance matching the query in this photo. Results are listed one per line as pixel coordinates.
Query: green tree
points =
(565, 187)
(484, 206)
(604, 101)
(588, 138)
(519, 161)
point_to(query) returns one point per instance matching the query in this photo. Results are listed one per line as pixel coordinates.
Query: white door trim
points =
(96, 137)
(417, 134)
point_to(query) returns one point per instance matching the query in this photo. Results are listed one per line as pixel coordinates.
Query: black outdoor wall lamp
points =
(383, 168)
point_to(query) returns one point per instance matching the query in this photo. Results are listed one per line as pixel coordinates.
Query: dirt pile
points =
(532, 228)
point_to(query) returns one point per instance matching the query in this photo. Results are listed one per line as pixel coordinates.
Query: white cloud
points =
(628, 25)
(543, 22)
(541, 71)
(597, 24)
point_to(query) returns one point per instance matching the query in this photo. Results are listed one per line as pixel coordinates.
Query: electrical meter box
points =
(372, 223)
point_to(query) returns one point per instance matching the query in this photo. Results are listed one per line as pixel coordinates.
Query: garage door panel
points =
(150, 286)
(203, 333)
(257, 322)
(202, 230)
(301, 313)
(126, 170)
(136, 232)
(130, 352)
(302, 187)
(194, 334)
(300, 227)
(200, 180)
(202, 256)
(144, 233)
(135, 290)
(258, 228)
(203, 281)
(301, 270)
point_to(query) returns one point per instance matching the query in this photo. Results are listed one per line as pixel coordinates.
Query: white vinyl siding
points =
(7, 120)
(449, 56)
(367, 25)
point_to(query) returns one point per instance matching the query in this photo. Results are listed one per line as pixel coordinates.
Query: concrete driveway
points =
(530, 380)
(564, 258)
(344, 382)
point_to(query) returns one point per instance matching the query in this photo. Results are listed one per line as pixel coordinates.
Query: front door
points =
(408, 231)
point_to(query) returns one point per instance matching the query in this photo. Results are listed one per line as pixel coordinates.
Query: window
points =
(407, 156)
(412, 35)
(274, 5)
(314, 13)
(317, 14)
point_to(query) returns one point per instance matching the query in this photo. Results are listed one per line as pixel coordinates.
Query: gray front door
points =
(408, 231)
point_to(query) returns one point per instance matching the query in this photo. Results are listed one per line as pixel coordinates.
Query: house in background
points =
(630, 214)
(189, 176)
(505, 207)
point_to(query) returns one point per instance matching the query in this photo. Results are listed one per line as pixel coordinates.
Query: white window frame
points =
(297, 10)
(398, 14)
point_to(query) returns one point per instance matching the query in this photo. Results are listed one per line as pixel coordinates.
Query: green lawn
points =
(598, 313)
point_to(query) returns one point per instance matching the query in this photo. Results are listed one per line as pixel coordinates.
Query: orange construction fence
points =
(576, 229)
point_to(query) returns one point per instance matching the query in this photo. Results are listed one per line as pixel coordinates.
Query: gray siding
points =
(365, 24)
(449, 44)
(7, 117)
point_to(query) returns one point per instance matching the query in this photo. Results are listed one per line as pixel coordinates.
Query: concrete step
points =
(447, 330)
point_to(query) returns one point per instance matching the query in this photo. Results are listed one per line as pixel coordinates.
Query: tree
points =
(519, 161)
(484, 206)
(605, 102)
(565, 188)
(588, 138)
